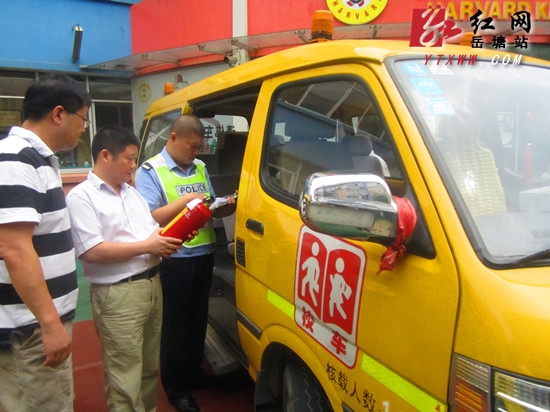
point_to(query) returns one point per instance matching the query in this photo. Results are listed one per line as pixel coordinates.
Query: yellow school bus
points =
(336, 147)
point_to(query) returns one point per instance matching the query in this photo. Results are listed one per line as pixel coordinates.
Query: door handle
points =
(255, 226)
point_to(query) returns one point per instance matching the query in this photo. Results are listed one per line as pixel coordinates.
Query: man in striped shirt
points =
(38, 286)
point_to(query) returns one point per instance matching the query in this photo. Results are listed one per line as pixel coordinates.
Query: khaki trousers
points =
(128, 320)
(26, 385)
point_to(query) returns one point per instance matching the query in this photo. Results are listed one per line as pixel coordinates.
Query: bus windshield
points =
(488, 129)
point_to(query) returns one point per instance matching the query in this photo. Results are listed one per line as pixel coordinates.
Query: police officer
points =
(168, 181)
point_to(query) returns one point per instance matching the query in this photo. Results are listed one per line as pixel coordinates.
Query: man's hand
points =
(17, 250)
(161, 245)
(191, 236)
(57, 344)
(227, 209)
(188, 197)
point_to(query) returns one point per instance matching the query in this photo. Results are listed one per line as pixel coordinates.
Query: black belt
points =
(147, 274)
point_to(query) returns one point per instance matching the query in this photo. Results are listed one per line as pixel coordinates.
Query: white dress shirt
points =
(99, 214)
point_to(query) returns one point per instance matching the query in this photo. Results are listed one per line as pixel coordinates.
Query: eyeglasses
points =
(86, 121)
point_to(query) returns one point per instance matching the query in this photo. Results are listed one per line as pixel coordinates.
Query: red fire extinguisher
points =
(193, 217)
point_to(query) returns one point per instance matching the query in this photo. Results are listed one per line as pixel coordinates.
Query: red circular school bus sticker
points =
(356, 11)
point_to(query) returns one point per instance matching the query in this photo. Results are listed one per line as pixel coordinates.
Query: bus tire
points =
(302, 392)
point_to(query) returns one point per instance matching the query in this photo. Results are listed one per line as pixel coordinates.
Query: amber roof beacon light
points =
(321, 26)
(168, 88)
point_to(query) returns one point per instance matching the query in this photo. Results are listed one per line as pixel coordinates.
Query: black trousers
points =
(185, 287)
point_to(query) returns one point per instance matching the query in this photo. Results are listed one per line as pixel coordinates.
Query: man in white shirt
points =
(120, 247)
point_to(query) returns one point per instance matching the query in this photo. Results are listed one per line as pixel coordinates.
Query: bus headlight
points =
(476, 387)
(515, 394)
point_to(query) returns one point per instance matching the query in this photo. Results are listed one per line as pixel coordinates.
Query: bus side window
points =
(157, 134)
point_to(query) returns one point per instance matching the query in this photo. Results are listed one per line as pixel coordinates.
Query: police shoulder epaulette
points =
(146, 165)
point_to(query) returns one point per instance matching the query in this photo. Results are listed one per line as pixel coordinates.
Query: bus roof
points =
(312, 55)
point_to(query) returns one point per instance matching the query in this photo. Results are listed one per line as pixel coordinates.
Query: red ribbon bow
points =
(406, 221)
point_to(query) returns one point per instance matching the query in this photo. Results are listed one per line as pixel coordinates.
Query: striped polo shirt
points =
(31, 191)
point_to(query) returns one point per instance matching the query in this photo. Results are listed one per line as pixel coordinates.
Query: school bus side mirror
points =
(358, 206)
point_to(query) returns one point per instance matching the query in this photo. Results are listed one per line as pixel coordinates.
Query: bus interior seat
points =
(362, 156)
(472, 166)
(300, 158)
(230, 153)
(231, 147)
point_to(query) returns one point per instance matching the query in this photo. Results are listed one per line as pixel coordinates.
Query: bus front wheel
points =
(302, 392)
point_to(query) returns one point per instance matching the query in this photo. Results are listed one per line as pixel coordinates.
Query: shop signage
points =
(497, 10)
(430, 27)
(144, 92)
(356, 11)
(10, 118)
